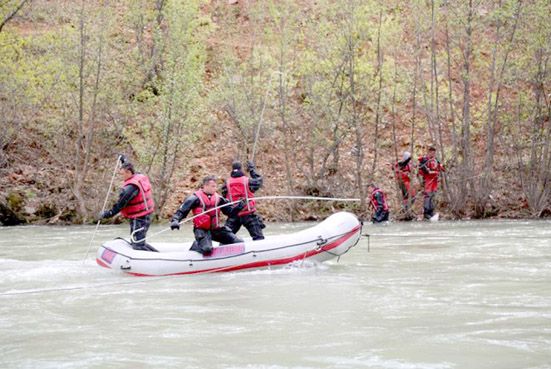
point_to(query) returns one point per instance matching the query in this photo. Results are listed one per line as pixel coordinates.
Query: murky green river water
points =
(426, 295)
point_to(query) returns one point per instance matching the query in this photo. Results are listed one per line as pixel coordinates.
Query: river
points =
(470, 294)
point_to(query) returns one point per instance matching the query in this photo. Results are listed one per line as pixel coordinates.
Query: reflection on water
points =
(427, 295)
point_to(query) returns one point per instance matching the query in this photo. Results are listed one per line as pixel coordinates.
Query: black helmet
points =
(236, 165)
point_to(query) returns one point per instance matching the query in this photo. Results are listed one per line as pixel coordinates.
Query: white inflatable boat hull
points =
(328, 239)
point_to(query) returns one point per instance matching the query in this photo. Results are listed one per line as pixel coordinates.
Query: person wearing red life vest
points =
(377, 201)
(402, 171)
(429, 171)
(207, 225)
(240, 187)
(135, 203)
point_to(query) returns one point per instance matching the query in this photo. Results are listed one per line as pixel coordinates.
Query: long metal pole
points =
(318, 198)
(103, 207)
(262, 112)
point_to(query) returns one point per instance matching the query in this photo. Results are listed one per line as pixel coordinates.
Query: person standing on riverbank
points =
(402, 172)
(240, 187)
(135, 203)
(429, 171)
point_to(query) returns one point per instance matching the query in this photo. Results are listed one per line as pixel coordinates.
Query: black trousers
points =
(140, 225)
(252, 222)
(204, 238)
(429, 204)
(380, 216)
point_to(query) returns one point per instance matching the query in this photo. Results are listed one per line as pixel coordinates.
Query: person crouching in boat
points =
(207, 227)
(239, 187)
(135, 203)
(377, 201)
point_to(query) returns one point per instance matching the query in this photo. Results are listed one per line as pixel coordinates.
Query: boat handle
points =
(127, 266)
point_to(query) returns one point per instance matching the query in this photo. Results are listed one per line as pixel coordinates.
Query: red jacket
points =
(238, 188)
(403, 173)
(210, 219)
(142, 204)
(429, 169)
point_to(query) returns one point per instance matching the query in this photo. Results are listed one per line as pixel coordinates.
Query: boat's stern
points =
(111, 254)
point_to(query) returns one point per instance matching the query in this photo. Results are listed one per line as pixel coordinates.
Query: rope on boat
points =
(338, 256)
(432, 236)
(317, 198)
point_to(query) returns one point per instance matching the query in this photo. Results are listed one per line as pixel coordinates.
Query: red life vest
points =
(374, 203)
(238, 188)
(403, 173)
(429, 170)
(142, 204)
(210, 219)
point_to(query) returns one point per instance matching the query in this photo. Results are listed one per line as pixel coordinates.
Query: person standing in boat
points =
(402, 171)
(377, 201)
(207, 224)
(429, 171)
(135, 203)
(241, 187)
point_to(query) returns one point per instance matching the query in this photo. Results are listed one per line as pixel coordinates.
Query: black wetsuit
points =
(380, 214)
(204, 238)
(140, 224)
(252, 222)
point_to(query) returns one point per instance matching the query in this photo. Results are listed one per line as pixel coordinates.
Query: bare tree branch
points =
(13, 13)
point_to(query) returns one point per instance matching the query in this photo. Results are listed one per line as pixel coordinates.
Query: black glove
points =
(250, 166)
(105, 214)
(403, 163)
(175, 224)
(238, 207)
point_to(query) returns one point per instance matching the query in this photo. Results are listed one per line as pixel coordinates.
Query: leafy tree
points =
(175, 112)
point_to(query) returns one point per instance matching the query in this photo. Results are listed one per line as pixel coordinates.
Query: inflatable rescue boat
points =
(329, 239)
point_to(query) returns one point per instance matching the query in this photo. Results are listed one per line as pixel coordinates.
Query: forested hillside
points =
(336, 91)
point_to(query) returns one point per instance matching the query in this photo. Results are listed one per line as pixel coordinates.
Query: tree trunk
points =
(379, 74)
(466, 172)
(78, 176)
(495, 84)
